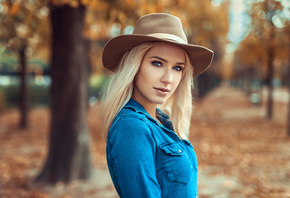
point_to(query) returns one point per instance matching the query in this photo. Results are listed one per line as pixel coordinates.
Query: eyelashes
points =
(178, 68)
(159, 64)
(156, 63)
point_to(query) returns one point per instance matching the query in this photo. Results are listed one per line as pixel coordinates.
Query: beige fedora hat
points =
(153, 28)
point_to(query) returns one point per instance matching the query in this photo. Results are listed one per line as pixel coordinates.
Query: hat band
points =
(169, 37)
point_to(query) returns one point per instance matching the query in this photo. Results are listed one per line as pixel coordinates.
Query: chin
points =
(159, 101)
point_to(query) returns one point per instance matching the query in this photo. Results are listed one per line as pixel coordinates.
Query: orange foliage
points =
(24, 23)
(253, 49)
(14, 9)
(204, 24)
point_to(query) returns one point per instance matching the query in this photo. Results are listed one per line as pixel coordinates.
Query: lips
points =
(162, 89)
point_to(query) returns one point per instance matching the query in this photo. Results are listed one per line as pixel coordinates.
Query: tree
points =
(265, 43)
(16, 42)
(24, 95)
(20, 23)
(23, 25)
(287, 29)
(69, 155)
(270, 8)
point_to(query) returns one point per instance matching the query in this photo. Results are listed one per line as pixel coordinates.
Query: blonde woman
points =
(147, 108)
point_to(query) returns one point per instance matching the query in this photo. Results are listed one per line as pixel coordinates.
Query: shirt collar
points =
(137, 107)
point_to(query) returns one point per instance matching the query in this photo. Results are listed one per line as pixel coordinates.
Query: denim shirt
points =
(147, 159)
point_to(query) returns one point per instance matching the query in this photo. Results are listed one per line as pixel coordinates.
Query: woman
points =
(147, 108)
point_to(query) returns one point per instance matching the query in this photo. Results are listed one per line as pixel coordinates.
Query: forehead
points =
(167, 50)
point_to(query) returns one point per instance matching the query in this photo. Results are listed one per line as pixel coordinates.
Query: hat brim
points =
(200, 57)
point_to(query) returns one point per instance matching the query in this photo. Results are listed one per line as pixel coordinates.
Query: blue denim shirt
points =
(147, 159)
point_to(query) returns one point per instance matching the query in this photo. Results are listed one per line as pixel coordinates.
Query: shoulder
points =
(129, 124)
(128, 116)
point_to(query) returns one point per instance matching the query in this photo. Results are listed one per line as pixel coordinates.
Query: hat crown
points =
(160, 23)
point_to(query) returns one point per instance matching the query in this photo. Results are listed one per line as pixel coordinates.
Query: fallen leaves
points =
(243, 145)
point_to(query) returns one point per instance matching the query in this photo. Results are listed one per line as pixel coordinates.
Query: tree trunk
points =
(270, 74)
(69, 157)
(23, 97)
(269, 83)
(288, 122)
(288, 130)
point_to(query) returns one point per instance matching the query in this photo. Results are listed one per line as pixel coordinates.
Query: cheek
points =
(177, 78)
(141, 79)
(138, 81)
(148, 74)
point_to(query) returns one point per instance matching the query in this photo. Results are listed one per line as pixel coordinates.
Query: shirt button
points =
(179, 150)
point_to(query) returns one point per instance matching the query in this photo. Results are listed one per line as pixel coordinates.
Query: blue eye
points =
(156, 63)
(178, 68)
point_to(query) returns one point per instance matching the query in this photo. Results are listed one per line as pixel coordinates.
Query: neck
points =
(151, 109)
(148, 106)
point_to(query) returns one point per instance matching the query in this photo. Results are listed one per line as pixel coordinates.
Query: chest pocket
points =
(176, 162)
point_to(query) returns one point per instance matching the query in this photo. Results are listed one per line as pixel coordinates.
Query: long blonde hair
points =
(120, 89)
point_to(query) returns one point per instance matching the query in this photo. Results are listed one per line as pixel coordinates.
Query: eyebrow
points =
(162, 59)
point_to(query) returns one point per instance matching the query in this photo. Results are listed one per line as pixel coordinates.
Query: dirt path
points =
(240, 153)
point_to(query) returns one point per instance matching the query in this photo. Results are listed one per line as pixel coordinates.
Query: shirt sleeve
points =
(131, 159)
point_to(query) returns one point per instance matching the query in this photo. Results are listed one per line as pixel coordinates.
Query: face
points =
(159, 74)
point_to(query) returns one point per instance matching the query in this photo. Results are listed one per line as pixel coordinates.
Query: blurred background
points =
(51, 77)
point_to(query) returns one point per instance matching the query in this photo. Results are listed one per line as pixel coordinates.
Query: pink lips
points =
(162, 91)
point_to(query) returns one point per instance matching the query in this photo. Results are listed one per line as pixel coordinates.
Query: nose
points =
(167, 77)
